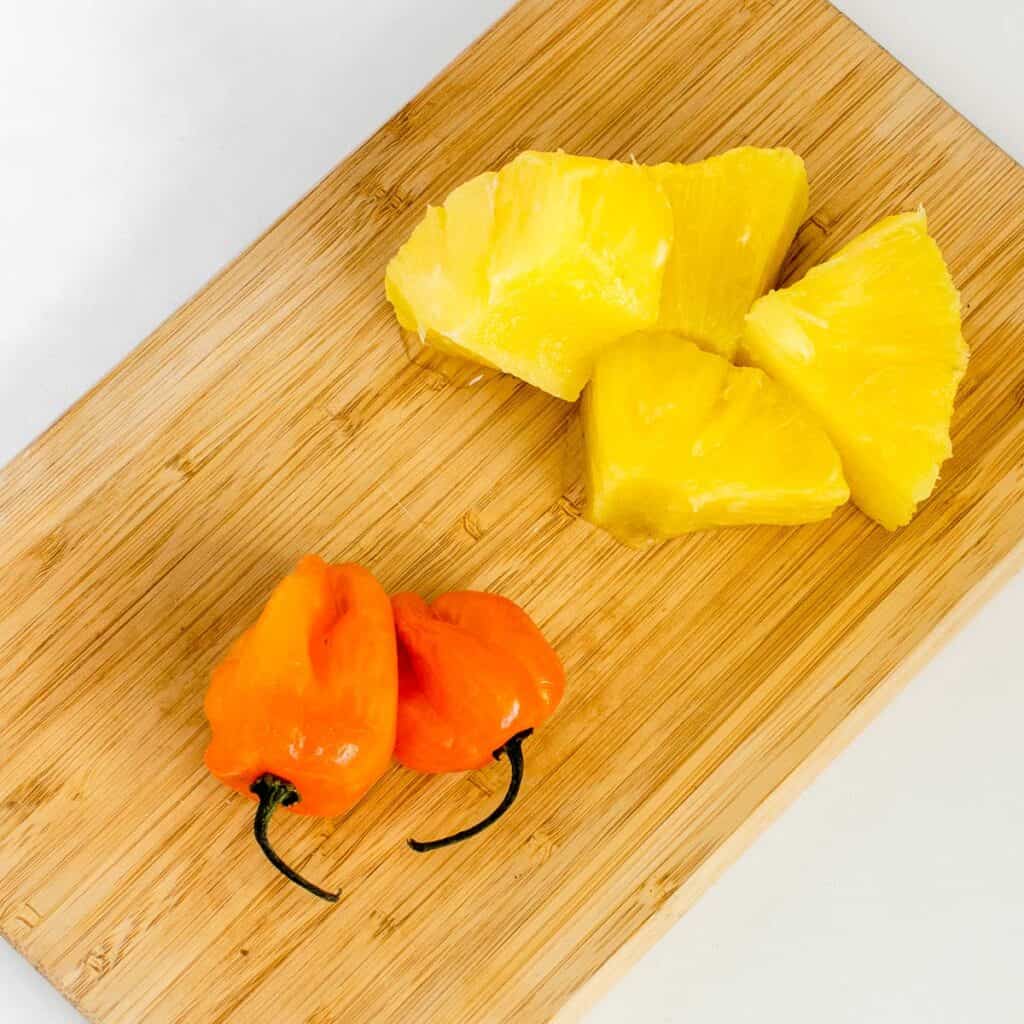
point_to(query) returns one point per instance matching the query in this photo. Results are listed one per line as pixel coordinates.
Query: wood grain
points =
(276, 413)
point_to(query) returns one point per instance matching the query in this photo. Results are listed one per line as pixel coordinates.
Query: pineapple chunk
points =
(735, 218)
(870, 342)
(438, 280)
(535, 268)
(678, 439)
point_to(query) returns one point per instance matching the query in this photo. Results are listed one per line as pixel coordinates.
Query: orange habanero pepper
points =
(476, 677)
(303, 707)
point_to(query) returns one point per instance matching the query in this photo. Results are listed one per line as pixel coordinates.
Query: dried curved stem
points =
(514, 749)
(274, 792)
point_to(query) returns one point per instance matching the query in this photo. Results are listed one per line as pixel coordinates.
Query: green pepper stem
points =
(514, 749)
(274, 792)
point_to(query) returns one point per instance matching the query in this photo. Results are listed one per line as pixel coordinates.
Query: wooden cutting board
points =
(276, 413)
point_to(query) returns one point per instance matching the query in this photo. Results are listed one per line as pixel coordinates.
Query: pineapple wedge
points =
(437, 282)
(735, 219)
(535, 268)
(678, 439)
(870, 342)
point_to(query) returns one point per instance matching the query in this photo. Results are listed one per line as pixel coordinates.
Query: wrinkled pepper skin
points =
(474, 671)
(309, 693)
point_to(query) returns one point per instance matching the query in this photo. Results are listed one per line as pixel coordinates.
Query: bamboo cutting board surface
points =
(276, 413)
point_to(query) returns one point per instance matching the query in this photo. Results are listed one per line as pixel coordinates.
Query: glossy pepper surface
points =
(303, 707)
(476, 677)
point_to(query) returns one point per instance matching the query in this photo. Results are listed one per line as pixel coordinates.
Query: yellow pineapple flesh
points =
(535, 268)
(870, 342)
(735, 218)
(437, 282)
(678, 439)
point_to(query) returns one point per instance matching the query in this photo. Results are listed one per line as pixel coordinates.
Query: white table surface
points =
(143, 143)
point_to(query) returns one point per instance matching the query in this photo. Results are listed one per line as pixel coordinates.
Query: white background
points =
(143, 143)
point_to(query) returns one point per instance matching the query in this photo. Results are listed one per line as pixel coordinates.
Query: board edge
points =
(780, 799)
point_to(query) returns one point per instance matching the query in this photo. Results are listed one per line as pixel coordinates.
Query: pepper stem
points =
(514, 749)
(274, 792)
